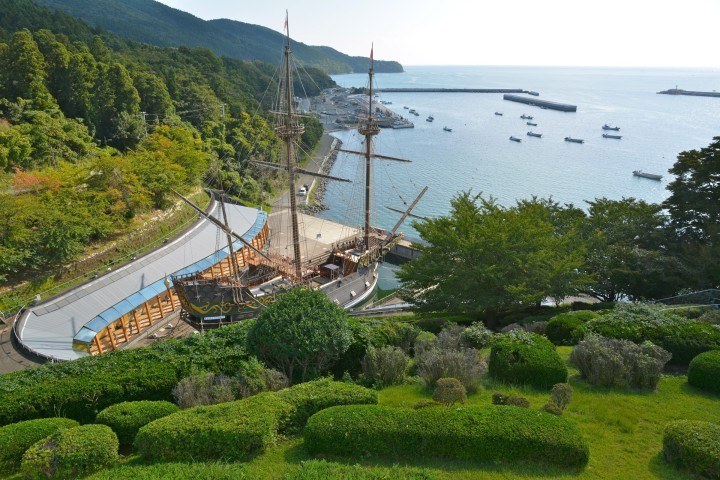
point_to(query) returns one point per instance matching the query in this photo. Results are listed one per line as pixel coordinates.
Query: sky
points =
(621, 33)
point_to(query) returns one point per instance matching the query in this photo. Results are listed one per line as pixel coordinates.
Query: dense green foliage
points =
(18, 437)
(449, 391)
(488, 434)
(311, 397)
(682, 337)
(485, 257)
(72, 453)
(526, 358)
(157, 24)
(477, 336)
(81, 388)
(384, 366)
(694, 446)
(301, 334)
(227, 431)
(568, 328)
(510, 400)
(611, 362)
(174, 471)
(126, 418)
(704, 371)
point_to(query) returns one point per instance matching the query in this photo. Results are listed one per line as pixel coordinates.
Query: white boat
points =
(651, 176)
(447, 129)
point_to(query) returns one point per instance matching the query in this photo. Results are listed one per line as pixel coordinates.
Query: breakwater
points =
(451, 90)
(678, 91)
(563, 107)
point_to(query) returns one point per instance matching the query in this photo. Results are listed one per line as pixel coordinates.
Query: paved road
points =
(11, 357)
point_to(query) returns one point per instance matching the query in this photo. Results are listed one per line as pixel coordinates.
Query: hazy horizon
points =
(641, 33)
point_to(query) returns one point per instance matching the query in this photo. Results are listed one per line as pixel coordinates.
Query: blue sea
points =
(477, 155)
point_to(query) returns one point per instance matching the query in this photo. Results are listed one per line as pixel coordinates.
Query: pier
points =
(451, 90)
(679, 91)
(563, 107)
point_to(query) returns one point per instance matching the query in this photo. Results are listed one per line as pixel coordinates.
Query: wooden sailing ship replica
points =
(347, 274)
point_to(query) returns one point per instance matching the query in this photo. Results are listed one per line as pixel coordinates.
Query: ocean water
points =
(478, 156)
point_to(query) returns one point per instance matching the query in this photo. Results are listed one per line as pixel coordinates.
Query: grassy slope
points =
(624, 430)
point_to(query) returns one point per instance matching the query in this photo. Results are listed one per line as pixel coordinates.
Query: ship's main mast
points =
(289, 131)
(369, 128)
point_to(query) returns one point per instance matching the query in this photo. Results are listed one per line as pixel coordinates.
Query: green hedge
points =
(18, 437)
(693, 445)
(704, 371)
(311, 397)
(682, 337)
(72, 453)
(568, 328)
(526, 358)
(488, 434)
(174, 471)
(322, 470)
(228, 431)
(81, 388)
(127, 418)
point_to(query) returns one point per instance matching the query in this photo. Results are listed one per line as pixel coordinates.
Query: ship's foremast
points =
(369, 128)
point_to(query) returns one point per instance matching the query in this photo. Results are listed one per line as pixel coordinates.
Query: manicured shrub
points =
(311, 397)
(18, 437)
(694, 446)
(683, 338)
(71, 453)
(81, 388)
(511, 400)
(384, 366)
(477, 336)
(321, 470)
(568, 328)
(464, 364)
(126, 418)
(488, 434)
(552, 408)
(449, 391)
(526, 358)
(619, 363)
(393, 333)
(704, 371)
(229, 431)
(302, 334)
(561, 395)
(174, 471)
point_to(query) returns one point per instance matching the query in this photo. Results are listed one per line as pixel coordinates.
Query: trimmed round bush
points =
(694, 446)
(488, 434)
(448, 391)
(73, 453)
(229, 431)
(526, 358)
(311, 397)
(704, 371)
(127, 418)
(18, 437)
(568, 328)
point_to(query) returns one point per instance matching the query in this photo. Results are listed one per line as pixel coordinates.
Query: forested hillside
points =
(95, 130)
(157, 24)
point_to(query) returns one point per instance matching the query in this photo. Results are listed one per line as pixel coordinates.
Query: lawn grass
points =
(623, 429)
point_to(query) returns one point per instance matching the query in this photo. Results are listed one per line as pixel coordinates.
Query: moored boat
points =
(531, 124)
(447, 129)
(430, 118)
(515, 139)
(607, 135)
(651, 176)
(533, 134)
(574, 140)
(526, 117)
(608, 127)
(498, 113)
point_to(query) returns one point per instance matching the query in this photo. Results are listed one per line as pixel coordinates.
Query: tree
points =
(301, 334)
(24, 73)
(486, 258)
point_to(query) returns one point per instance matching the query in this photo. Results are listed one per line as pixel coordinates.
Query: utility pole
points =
(144, 115)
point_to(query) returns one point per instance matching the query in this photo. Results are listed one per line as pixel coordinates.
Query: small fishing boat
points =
(406, 107)
(430, 118)
(526, 117)
(533, 134)
(574, 140)
(608, 127)
(498, 113)
(416, 114)
(607, 135)
(515, 139)
(532, 124)
(447, 129)
(651, 176)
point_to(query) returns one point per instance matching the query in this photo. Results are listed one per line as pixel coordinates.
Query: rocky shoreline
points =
(318, 205)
